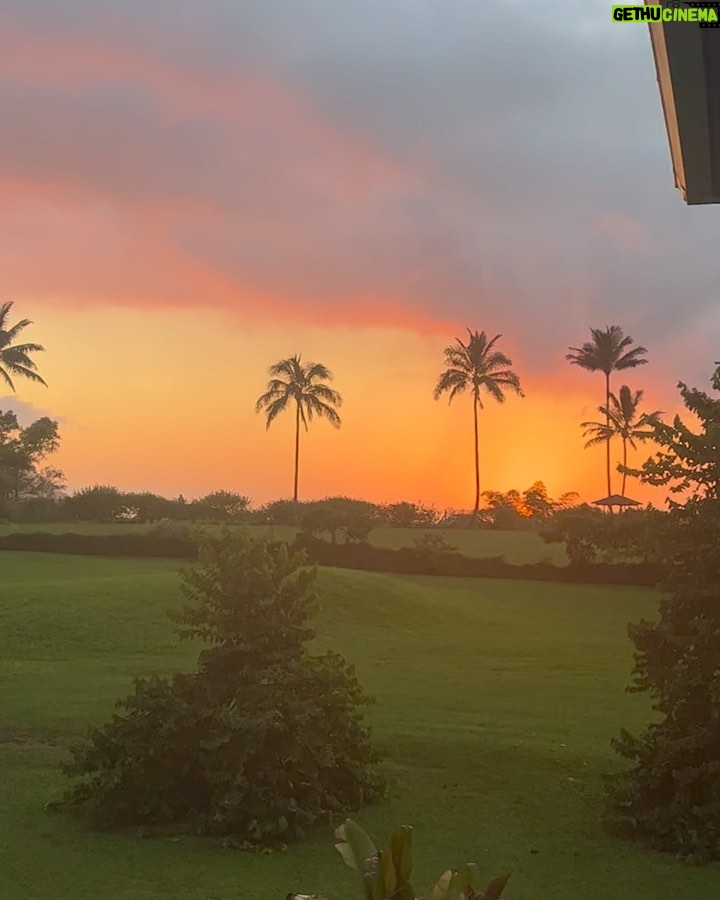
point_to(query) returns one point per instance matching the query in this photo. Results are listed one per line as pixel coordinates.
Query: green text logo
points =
(702, 14)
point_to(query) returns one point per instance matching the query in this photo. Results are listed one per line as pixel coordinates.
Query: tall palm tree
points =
(15, 358)
(607, 352)
(623, 420)
(300, 383)
(476, 366)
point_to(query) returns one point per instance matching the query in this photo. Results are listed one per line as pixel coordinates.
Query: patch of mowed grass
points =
(517, 547)
(495, 704)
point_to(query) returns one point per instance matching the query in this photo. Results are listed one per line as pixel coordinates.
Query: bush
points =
(262, 741)
(670, 796)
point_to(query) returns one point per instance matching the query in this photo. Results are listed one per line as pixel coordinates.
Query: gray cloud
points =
(495, 162)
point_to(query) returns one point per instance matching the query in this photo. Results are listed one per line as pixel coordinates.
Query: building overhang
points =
(687, 62)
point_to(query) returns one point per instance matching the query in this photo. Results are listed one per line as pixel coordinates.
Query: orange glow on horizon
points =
(145, 410)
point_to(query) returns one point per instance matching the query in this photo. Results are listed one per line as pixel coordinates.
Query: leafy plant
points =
(262, 741)
(385, 874)
(670, 796)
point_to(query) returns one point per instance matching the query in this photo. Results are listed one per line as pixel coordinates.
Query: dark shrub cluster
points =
(177, 546)
(670, 796)
(423, 560)
(262, 741)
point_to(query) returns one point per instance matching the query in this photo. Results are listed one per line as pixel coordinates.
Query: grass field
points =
(517, 546)
(495, 703)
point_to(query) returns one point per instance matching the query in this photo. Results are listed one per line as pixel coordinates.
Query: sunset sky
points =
(193, 189)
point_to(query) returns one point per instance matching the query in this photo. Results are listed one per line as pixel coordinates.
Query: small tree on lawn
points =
(262, 741)
(671, 796)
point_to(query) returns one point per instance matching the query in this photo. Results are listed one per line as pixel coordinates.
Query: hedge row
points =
(144, 545)
(410, 561)
(405, 561)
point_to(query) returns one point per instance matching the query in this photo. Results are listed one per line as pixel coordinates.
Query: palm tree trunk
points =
(477, 455)
(297, 451)
(607, 422)
(624, 465)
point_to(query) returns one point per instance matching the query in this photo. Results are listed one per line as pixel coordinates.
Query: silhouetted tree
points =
(623, 419)
(99, 503)
(22, 451)
(607, 352)
(15, 358)
(221, 506)
(301, 384)
(476, 366)
(671, 795)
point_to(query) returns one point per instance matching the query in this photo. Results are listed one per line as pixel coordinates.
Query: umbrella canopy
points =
(616, 500)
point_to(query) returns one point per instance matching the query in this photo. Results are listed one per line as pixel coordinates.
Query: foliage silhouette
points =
(23, 477)
(16, 359)
(476, 366)
(671, 795)
(607, 352)
(303, 384)
(624, 420)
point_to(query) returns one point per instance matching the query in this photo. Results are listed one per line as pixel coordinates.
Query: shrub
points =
(99, 503)
(434, 552)
(670, 796)
(385, 874)
(262, 741)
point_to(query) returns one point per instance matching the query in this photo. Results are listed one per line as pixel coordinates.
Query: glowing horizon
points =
(178, 429)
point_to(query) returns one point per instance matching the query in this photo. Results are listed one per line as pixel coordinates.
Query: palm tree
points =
(15, 358)
(607, 352)
(622, 419)
(301, 383)
(476, 366)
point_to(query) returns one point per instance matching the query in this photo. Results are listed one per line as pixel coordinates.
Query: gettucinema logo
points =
(703, 14)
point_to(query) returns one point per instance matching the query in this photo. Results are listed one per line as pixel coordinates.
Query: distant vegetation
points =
(608, 351)
(478, 368)
(342, 518)
(305, 388)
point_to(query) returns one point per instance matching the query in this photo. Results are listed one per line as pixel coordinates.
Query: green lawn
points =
(517, 546)
(495, 703)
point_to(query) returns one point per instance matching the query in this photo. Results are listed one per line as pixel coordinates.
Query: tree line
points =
(474, 366)
(477, 367)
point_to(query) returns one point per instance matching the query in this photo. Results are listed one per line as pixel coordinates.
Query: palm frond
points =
(15, 359)
(287, 367)
(452, 380)
(7, 379)
(606, 351)
(274, 408)
(478, 365)
(325, 393)
(317, 372)
(5, 312)
(291, 379)
(322, 410)
(493, 388)
(9, 335)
